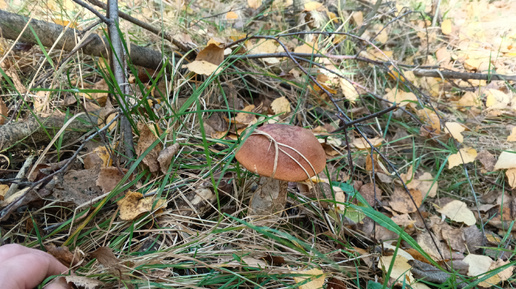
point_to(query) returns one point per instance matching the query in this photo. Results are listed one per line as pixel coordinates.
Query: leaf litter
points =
(455, 120)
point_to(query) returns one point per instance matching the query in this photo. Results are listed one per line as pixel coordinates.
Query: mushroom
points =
(280, 153)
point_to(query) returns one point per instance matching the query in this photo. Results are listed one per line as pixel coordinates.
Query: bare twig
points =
(448, 74)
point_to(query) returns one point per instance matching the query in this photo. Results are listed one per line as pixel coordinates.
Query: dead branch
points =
(41, 129)
(448, 74)
(11, 25)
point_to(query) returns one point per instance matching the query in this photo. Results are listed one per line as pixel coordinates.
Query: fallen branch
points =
(42, 129)
(11, 25)
(448, 74)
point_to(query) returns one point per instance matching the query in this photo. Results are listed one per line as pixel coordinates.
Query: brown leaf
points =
(334, 283)
(98, 158)
(78, 187)
(166, 155)
(4, 110)
(368, 192)
(474, 238)
(425, 241)
(147, 138)
(106, 257)
(109, 177)
(64, 255)
(401, 202)
(212, 53)
(487, 160)
(454, 237)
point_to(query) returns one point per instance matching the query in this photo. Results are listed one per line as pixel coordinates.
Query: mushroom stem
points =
(269, 198)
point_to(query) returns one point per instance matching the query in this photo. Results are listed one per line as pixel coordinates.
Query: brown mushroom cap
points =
(258, 152)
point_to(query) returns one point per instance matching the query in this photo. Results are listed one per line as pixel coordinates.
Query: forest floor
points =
(413, 102)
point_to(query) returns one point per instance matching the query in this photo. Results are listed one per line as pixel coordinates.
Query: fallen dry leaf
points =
(231, 15)
(3, 112)
(3, 190)
(487, 160)
(255, 4)
(166, 155)
(506, 160)
(496, 99)
(465, 155)
(400, 269)
(202, 67)
(147, 138)
(401, 97)
(349, 91)
(280, 105)
(312, 5)
(64, 255)
(212, 53)
(402, 203)
(307, 47)
(110, 177)
(479, 265)
(455, 129)
(458, 211)
(98, 158)
(446, 26)
(134, 204)
(512, 136)
(511, 177)
(246, 118)
(315, 283)
(362, 144)
(83, 282)
(430, 118)
(106, 257)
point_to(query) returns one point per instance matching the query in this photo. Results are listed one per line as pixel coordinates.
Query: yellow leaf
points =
(350, 93)
(202, 67)
(358, 17)
(468, 154)
(280, 105)
(231, 15)
(511, 177)
(402, 98)
(255, 4)
(429, 117)
(446, 26)
(317, 278)
(400, 269)
(134, 204)
(497, 99)
(308, 47)
(246, 118)
(512, 136)
(455, 129)
(312, 5)
(3, 190)
(458, 211)
(506, 160)
(469, 99)
(361, 144)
